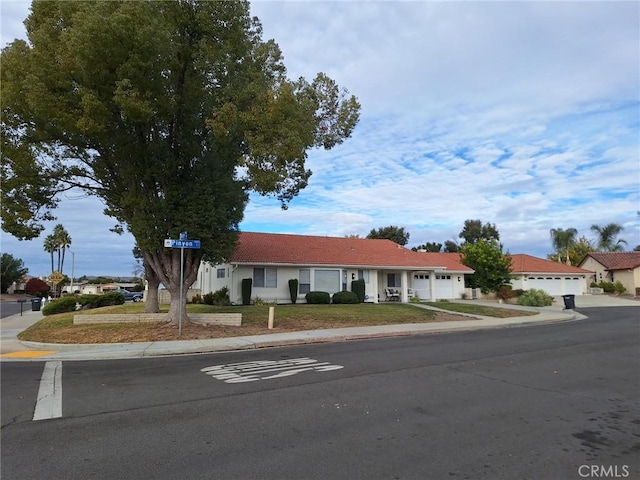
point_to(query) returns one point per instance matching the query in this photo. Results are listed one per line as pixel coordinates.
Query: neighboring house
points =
(555, 278)
(623, 267)
(329, 264)
(98, 288)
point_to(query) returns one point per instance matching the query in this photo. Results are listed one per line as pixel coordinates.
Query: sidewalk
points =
(12, 349)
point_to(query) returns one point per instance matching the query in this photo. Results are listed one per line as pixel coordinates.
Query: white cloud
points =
(523, 114)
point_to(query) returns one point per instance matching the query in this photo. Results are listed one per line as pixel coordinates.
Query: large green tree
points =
(392, 232)
(492, 268)
(475, 230)
(169, 112)
(11, 270)
(608, 240)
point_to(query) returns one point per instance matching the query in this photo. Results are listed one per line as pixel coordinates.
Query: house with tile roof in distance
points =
(555, 278)
(623, 267)
(330, 264)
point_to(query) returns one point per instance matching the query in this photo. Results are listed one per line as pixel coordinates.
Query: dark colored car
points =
(134, 296)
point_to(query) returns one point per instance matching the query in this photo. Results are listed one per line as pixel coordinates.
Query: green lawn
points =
(60, 328)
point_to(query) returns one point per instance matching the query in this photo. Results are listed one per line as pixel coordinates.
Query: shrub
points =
(505, 292)
(246, 290)
(345, 297)
(415, 299)
(88, 300)
(111, 298)
(318, 297)
(358, 287)
(619, 287)
(293, 290)
(207, 298)
(35, 286)
(219, 297)
(197, 298)
(610, 287)
(60, 305)
(535, 298)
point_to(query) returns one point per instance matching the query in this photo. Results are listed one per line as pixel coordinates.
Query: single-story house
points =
(329, 264)
(555, 278)
(623, 267)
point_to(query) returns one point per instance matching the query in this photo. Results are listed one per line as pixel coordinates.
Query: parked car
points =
(134, 296)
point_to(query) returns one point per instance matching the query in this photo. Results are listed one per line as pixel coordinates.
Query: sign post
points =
(182, 243)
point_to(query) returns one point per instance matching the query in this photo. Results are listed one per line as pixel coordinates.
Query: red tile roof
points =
(616, 260)
(285, 249)
(523, 263)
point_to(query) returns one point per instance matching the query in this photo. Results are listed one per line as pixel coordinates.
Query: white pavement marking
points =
(49, 404)
(253, 371)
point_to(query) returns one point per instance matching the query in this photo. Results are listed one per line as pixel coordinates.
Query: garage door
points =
(556, 285)
(444, 287)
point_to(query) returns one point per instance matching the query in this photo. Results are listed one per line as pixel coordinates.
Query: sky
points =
(522, 114)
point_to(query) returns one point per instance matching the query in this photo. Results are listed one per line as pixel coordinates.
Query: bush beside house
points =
(345, 297)
(318, 298)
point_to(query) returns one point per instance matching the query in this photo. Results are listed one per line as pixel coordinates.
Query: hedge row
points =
(68, 303)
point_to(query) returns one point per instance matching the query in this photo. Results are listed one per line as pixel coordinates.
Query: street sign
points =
(56, 277)
(171, 243)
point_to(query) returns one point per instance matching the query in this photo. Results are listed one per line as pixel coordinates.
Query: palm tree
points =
(50, 246)
(562, 241)
(607, 237)
(63, 241)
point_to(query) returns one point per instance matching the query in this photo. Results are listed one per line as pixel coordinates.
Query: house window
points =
(363, 275)
(326, 281)
(393, 280)
(304, 280)
(220, 272)
(265, 277)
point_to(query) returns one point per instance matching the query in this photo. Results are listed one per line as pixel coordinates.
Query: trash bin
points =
(35, 304)
(569, 302)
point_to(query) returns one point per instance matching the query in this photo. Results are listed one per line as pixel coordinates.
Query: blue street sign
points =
(181, 243)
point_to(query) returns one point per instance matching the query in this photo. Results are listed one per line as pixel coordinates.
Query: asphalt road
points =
(557, 401)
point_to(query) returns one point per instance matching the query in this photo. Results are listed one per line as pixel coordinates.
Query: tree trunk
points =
(165, 265)
(153, 283)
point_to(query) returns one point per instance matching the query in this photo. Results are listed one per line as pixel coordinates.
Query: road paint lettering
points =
(266, 369)
(49, 403)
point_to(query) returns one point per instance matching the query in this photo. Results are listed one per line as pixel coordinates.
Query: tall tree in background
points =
(169, 112)
(450, 246)
(63, 241)
(562, 240)
(577, 251)
(492, 268)
(11, 270)
(607, 237)
(429, 247)
(50, 246)
(474, 230)
(393, 233)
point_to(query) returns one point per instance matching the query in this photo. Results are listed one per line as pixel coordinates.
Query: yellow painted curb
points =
(27, 354)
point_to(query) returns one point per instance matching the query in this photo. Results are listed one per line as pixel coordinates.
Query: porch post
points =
(432, 286)
(404, 291)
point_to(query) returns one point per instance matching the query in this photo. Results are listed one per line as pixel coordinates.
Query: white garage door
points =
(556, 285)
(444, 287)
(421, 286)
